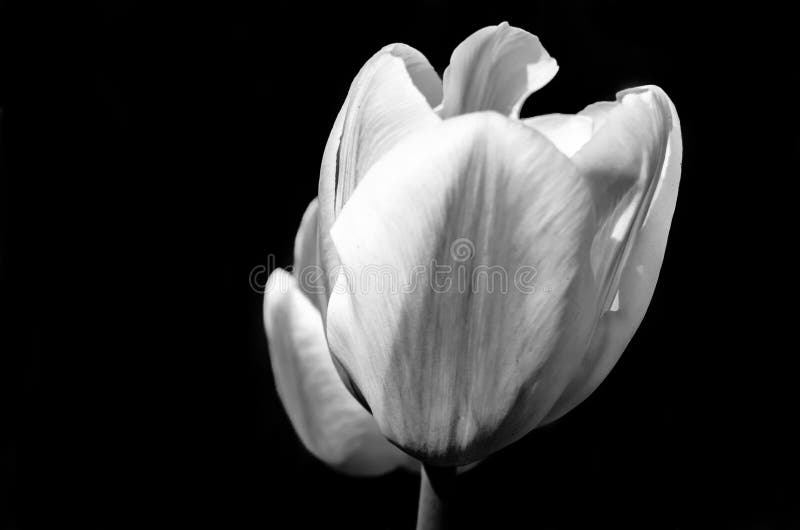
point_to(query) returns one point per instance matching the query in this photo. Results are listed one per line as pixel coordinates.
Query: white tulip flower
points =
(372, 376)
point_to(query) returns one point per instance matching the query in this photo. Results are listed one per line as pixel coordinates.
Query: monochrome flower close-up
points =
(396, 265)
(378, 378)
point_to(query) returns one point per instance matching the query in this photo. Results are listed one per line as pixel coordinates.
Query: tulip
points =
(415, 167)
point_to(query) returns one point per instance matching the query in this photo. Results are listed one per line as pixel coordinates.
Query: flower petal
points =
(568, 132)
(638, 144)
(453, 371)
(328, 420)
(628, 144)
(495, 68)
(384, 106)
(390, 97)
(307, 270)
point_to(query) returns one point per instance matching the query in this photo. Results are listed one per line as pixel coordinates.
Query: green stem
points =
(436, 498)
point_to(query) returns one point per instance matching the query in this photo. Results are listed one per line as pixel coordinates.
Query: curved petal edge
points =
(629, 248)
(331, 424)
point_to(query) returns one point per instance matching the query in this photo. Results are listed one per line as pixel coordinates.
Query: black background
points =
(152, 156)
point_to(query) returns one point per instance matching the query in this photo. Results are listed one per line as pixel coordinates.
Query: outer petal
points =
(454, 371)
(639, 141)
(495, 68)
(390, 97)
(330, 423)
(307, 270)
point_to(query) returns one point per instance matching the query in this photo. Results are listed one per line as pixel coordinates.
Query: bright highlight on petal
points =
(567, 132)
